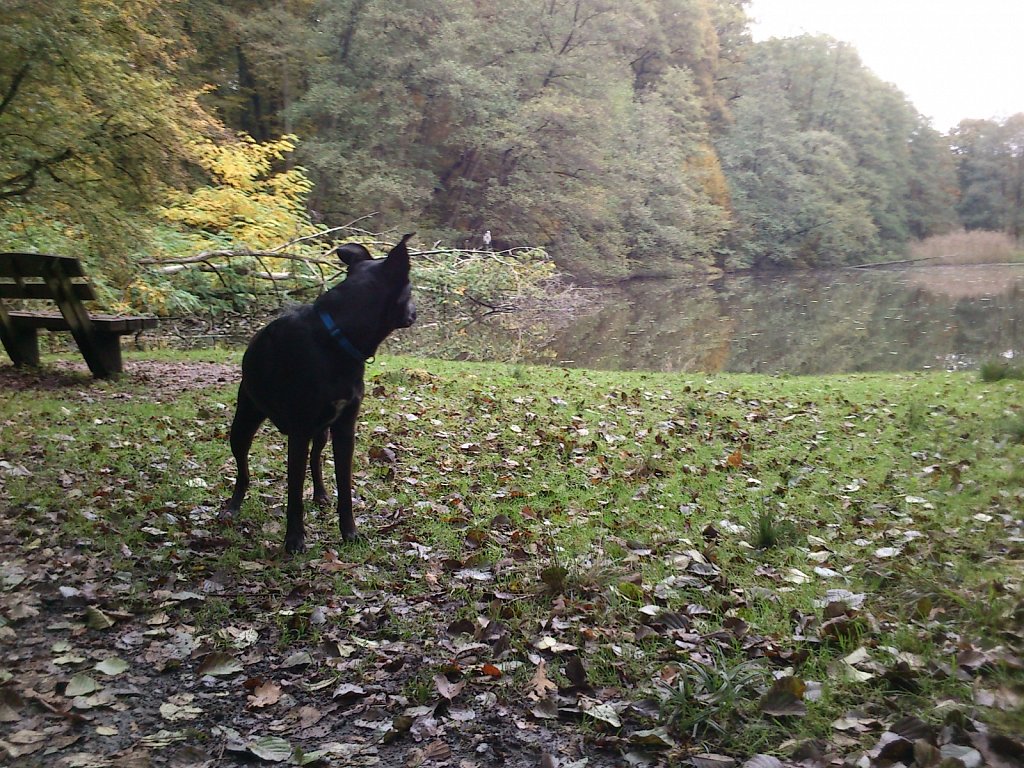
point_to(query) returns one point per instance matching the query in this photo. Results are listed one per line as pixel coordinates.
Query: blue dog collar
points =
(339, 337)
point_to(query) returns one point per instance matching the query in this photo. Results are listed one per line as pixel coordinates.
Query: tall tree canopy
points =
(990, 168)
(94, 119)
(569, 124)
(826, 163)
(627, 138)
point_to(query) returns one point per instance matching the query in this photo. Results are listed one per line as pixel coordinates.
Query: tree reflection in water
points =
(795, 322)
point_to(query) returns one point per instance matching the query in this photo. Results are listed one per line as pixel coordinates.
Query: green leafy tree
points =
(990, 167)
(826, 163)
(370, 109)
(93, 123)
(932, 184)
(529, 119)
(666, 203)
(256, 56)
(793, 191)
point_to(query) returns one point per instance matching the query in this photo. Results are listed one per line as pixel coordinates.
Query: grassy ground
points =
(579, 564)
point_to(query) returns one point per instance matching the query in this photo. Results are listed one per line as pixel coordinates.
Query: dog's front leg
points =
(343, 439)
(298, 453)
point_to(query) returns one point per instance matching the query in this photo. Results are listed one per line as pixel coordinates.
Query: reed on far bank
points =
(969, 247)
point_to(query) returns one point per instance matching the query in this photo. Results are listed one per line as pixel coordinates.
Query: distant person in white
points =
(487, 240)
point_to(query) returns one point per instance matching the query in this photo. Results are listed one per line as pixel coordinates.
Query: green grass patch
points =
(997, 370)
(681, 539)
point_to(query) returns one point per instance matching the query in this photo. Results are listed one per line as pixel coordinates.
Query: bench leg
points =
(103, 354)
(22, 344)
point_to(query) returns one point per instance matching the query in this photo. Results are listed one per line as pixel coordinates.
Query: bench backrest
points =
(43, 276)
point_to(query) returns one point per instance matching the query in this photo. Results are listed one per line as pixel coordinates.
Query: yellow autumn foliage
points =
(249, 201)
(706, 166)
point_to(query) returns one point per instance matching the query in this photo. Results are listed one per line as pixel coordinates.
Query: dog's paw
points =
(295, 545)
(352, 536)
(321, 500)
(227, 513)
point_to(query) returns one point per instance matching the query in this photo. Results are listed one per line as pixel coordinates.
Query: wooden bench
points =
(59, 279)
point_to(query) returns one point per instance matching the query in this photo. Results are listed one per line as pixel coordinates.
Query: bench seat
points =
(54, 321)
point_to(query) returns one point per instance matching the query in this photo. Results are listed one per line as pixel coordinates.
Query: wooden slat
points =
(51, 321)
(82, 291)
(39, 265)
(54, 321)
(119, 324)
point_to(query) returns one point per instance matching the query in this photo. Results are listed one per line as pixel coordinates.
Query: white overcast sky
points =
(954, 59)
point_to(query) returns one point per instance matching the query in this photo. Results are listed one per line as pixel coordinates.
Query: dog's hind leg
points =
(316, 469)
(295, 532)
(343, 439)
(243, 429)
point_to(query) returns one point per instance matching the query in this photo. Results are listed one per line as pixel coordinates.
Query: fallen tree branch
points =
(483, 281)
(494, 308)
(206, 256)
(872, 265)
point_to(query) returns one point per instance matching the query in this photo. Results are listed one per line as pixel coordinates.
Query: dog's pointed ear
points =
(398, 258)
(352, 253)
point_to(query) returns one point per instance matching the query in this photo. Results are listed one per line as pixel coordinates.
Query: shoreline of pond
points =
(841, 320)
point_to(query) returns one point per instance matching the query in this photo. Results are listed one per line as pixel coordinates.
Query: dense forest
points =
(652, 137)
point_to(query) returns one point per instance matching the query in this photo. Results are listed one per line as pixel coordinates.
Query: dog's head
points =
(387, 279)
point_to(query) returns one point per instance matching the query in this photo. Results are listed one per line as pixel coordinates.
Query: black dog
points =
(304, 372)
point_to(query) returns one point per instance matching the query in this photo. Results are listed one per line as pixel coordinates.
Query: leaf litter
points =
(501, 641)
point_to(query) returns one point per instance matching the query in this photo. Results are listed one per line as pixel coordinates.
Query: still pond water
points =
(798, 322)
